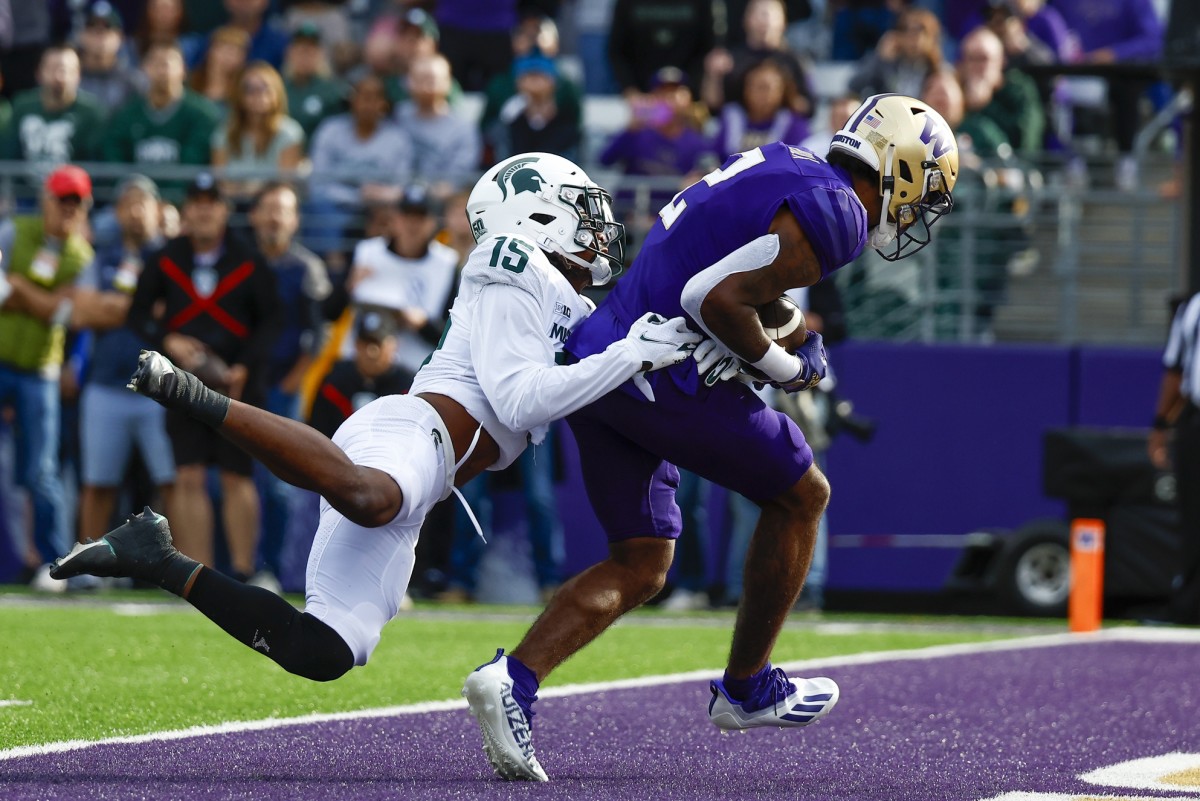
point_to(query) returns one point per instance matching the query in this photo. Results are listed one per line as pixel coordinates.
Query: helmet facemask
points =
(904, 227)
(915, 156)
(551, 201)
(598, 233)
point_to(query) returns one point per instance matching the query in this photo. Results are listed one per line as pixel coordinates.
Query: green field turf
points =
(101, 670)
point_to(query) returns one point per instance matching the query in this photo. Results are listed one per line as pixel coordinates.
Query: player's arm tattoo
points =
(797, 264)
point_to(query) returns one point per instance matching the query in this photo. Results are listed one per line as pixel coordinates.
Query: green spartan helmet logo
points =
(521, 177)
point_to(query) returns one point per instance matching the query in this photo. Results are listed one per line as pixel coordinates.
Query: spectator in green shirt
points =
(168, 125)
(54, 123)
(312, 94)
(1006, 96)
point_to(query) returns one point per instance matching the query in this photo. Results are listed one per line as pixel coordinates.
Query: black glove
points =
(158, 379)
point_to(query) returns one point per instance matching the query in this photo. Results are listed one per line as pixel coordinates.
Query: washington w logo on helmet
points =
(913, 152)
(937, 135)
(520, 177)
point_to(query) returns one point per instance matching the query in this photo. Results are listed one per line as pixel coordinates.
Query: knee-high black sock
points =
(262, 620)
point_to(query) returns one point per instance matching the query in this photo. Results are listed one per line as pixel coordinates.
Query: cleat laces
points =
(773, 692)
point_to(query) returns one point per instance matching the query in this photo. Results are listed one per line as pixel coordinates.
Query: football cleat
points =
(507, 735)
(781, 703)
(141, 548)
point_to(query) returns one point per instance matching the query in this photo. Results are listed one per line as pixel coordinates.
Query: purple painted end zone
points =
(954, 729)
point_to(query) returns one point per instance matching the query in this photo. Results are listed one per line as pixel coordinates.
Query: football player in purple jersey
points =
(770, 219)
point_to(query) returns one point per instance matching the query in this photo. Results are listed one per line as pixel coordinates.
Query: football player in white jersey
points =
(545, 231)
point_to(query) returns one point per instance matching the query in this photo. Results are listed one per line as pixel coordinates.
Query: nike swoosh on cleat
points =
(83, 547)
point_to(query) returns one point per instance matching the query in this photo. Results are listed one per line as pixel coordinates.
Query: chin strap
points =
(885, 232)
(601, 269)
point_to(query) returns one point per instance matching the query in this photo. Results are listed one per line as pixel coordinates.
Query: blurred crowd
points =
(310, 264)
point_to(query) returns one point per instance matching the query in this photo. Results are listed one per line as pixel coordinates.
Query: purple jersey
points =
(714, 217)
(629, 447)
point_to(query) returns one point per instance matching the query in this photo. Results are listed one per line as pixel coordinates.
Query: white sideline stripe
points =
(1021, 796)
(933, 652)
(1146, 773)
(15, 702)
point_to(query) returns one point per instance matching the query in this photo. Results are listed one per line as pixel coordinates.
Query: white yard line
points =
(1191, 636)
(15, 702)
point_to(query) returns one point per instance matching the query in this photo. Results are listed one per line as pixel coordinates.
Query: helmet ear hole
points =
(905, 171)
(542, 219)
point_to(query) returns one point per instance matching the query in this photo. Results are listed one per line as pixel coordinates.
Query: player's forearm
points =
(534, 396)
(99, 311)
(734, 323)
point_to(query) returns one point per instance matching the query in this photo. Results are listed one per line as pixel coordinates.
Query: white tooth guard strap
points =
(885, 233)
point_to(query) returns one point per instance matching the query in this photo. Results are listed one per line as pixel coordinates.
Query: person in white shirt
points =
(545, 232)
(407, 273)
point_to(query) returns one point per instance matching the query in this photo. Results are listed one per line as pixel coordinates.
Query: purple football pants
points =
(629, 449)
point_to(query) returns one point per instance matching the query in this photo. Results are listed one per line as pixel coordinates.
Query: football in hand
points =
(783, 322)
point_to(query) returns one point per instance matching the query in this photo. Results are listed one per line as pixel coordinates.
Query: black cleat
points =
(141, 548)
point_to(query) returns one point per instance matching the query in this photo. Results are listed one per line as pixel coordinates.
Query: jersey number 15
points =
(514, 257)
(670, 212)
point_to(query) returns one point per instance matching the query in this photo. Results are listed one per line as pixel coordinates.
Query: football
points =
(783, 322)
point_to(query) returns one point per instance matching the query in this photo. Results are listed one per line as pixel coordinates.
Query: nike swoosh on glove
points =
(659, 343)
(715, 363)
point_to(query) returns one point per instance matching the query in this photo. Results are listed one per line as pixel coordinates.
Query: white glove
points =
(5, 288)
(659, 343)
(715, 363)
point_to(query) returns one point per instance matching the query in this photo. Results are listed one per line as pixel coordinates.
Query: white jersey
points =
(394, 282)
(513, 313)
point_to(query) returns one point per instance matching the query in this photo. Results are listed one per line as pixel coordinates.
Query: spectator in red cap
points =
(46, 251)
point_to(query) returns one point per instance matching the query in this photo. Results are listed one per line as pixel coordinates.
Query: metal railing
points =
(1030, 254)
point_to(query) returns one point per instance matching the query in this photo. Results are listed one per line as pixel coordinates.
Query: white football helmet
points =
(915, 153)
(553, 202)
